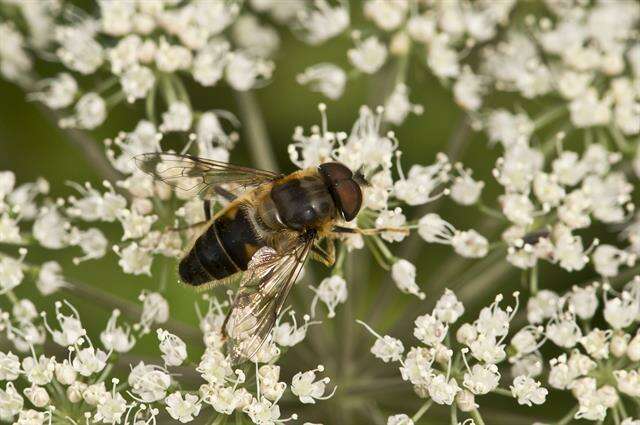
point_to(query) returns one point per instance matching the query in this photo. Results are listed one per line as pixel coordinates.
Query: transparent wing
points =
(199, 176)
(263, 291)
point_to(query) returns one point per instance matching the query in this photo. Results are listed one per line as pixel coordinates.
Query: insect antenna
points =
(360, 178)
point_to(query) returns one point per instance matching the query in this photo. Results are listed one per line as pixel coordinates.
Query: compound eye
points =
(335, 172)
(349, 197)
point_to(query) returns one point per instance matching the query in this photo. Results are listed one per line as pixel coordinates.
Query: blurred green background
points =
(32, 146)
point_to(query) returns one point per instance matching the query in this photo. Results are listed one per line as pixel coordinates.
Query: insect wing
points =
(260, 299)
(200, 176)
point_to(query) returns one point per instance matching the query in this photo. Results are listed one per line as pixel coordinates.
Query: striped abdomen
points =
(224, 249)
(292, 205)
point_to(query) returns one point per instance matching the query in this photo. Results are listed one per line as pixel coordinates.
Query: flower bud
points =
(142, 206)
(466, 334)
(94, 393)
(466, 401)
(583, 386)
(242, 398)
(65, 373)
(608, 396)
(214, 340)
(443, 354)
(75, 390)
(147, 51)
(163, 191)
(618, 345)
(633, 350)
(400, 43)
(38, 396)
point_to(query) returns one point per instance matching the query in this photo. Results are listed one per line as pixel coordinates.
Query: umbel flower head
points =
(454, 374)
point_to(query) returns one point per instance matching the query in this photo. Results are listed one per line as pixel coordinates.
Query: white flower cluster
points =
(223, 389)
(448, 373)
(442, 32)
(62, 223)
(548, 206)
(147, 47)
(83, 376)
(598, 365)
(569, 52)
(51, 228)
(80, 377)
(373, 155)
(585, 60)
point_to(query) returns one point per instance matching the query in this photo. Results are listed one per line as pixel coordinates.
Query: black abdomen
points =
(223, 250)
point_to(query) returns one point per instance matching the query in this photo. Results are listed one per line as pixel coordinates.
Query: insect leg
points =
(207, 209)
(326, 257)
(369, 232)
(222, 192)
(225, 193)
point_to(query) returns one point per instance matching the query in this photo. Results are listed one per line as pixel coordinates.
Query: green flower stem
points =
(403, 65)
(168, 91)
(57, 388)
(623, 410)
(477, 417)
(180, 90)
(376, 253)
(502, 391)
(549, 116)
(349, 361)
(60, 395)
(164, 276)
(338, 267)
(105, 372)
(568, 417)
(422, 411)
(256, 131)
(218, 419)
(150, 104)
(620, 141)
(551, 143)
(497, 245)
(105, 85)
(115, 99)
(588, 137)
(533, 280)
(491, 212)
(477, 269)
(384, 250)
(454, 414)
(616, 415)
(12, 297)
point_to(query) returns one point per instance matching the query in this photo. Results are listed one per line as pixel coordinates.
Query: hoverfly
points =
(263, 235)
